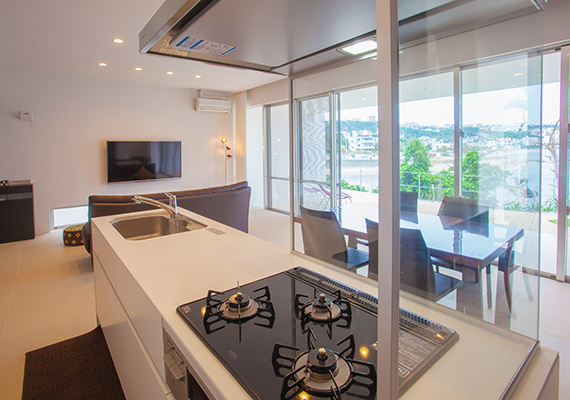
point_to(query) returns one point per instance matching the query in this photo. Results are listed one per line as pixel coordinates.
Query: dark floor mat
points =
(80, 368)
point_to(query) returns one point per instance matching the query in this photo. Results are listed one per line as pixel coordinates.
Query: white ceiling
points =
(71, 37)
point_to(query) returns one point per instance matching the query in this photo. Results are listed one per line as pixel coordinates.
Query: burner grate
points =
(413, 322)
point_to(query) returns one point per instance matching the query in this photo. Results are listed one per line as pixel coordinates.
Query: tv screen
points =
(143, 161)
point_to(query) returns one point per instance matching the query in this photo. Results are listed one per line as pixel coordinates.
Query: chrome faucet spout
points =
(172, 201)
(172, 208)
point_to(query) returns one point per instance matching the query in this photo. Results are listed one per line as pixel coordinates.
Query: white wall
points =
(255, 156)
(63, 151)
(556, 27)
(240, 137)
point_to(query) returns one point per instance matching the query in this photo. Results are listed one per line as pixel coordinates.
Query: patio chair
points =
(343, 195)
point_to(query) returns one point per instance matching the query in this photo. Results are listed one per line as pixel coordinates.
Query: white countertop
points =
(177, 269)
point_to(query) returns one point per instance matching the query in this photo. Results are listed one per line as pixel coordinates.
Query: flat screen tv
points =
(129, 161)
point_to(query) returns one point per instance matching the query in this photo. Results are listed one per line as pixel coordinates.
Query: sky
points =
(489, 108)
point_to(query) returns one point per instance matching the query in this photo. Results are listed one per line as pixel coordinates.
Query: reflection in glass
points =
(315, 154)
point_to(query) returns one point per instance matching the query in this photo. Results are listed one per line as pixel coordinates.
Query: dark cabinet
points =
(16, 213)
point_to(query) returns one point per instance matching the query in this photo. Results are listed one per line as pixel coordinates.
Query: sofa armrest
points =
(86, 235)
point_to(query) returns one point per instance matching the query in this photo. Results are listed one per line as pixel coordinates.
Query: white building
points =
(362, 140)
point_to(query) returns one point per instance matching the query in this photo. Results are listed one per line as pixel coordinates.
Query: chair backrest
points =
(416, 271)
(372, 233)
(322, 234)
(409, 201)
(464, 213)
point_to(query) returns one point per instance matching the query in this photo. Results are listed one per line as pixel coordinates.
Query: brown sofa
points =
(226, 204)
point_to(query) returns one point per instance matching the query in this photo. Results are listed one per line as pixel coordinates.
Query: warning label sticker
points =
(203, 46)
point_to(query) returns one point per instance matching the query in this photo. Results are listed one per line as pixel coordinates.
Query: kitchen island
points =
(139, 285)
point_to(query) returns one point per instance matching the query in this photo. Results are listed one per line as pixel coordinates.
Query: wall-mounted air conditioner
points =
(213, 105)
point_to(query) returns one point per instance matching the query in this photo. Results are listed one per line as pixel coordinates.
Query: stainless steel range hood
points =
(291, 37)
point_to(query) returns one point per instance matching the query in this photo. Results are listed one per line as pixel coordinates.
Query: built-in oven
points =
(178, 376)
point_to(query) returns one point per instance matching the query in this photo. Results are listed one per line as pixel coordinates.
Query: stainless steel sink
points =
(154, 225)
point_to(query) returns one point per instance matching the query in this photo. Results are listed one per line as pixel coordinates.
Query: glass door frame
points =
(334, 135)
(298, 148)
(562, 273)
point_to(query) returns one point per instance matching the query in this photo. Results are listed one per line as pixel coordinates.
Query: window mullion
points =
(563, 166)
(458, 133)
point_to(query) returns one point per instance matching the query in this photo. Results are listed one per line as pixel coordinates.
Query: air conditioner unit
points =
(213, 105)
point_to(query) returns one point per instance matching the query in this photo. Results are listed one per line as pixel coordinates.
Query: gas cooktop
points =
(301, 335)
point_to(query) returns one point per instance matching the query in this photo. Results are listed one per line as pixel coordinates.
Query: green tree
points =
(415, 166)
(470, 184)
(480, 178)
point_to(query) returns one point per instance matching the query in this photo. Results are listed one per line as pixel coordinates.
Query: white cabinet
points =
(139, 377)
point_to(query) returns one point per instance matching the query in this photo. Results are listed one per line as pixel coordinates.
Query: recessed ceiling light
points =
(197, 76)
(170, 73)
(518, 74)
(117, 40)
(102, 64)
(138, 69)
(361, 47)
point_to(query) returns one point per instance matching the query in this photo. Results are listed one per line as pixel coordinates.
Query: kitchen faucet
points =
(172, 208)
(172, 201)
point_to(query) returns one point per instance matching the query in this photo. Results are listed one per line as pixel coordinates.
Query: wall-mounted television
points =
(131, 161)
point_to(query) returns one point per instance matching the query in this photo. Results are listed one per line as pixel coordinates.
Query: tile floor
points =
(46, 295)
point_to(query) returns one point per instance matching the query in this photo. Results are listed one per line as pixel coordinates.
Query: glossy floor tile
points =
(47, 295)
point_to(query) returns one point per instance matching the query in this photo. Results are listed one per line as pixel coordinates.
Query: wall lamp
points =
(227, 157)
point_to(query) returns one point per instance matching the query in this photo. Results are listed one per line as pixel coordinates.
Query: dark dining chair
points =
(417, 275)
(464, 214)
(409, 206)
(323, 239)
(409, 201)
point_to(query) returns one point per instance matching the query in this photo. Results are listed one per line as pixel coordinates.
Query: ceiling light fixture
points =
(117, 40)
(138, 69)
(197, 76)
(170, 73)
(102, 64)
(518, 74)
(360, 47)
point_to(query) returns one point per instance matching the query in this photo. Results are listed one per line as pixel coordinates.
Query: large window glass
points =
(357, 134)
(500, 170)
(427, 138)
(550, 160)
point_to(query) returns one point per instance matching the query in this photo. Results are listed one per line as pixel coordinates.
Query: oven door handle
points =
(174, 364)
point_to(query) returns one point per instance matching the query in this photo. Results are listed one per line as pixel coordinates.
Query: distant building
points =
(362, 140)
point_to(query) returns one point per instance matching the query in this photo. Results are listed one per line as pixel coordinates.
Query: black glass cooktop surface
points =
(302, 335)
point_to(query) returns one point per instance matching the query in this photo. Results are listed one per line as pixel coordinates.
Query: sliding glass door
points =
(317, 188)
